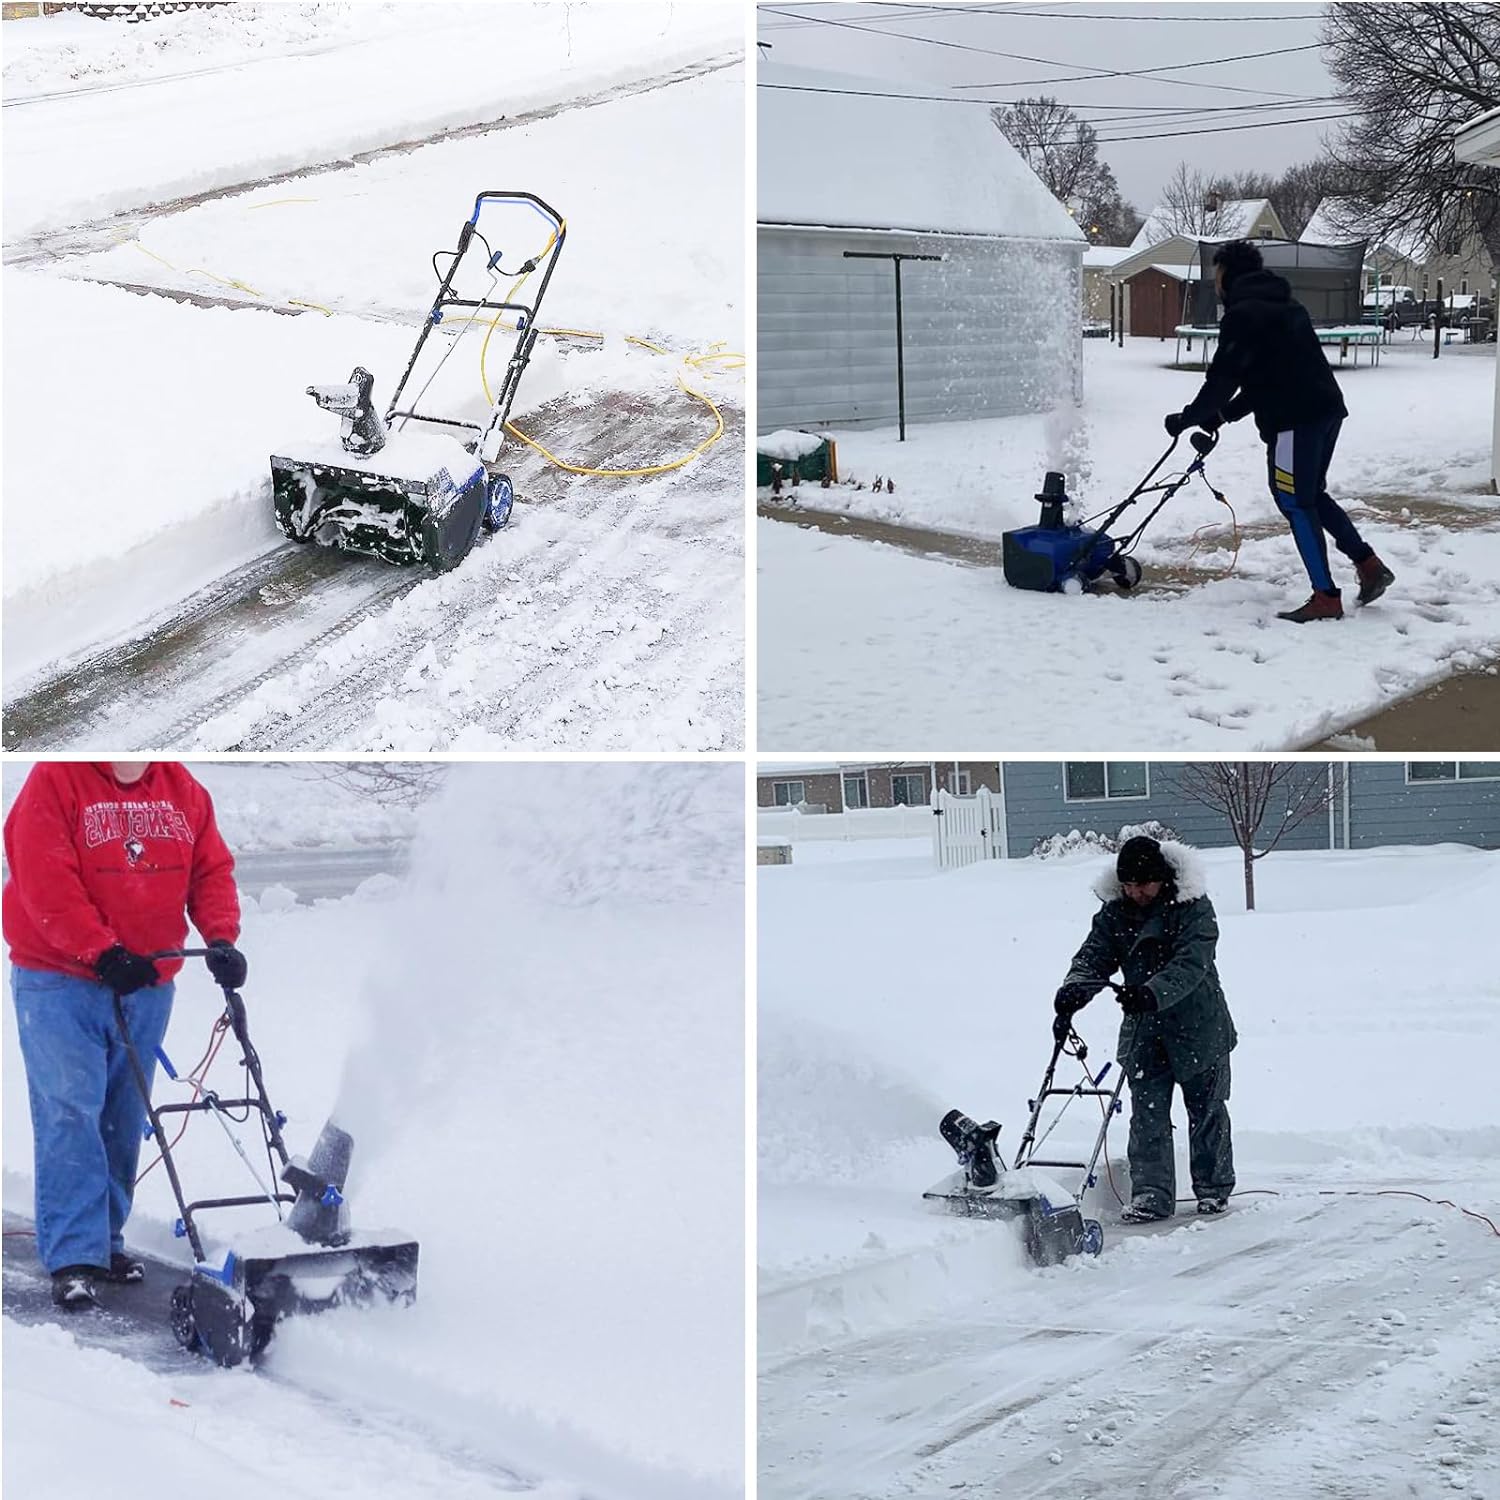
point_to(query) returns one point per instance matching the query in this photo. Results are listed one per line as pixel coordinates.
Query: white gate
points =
(966, 830)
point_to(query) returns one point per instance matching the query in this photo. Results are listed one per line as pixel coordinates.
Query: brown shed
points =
(1156, 298)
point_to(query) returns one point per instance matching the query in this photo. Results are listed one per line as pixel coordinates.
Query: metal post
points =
(897, 258)
(1437, 322)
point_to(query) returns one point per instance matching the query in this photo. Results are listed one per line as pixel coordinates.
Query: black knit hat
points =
(1140, 860)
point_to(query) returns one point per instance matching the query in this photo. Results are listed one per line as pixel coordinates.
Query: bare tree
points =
(1063, 151)
(1411, 74)
(392, 783)
(1183, 208)
(1263, 801)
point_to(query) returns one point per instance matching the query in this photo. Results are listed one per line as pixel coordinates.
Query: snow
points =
(789, 445)
(1319, 1339)
(1196, 658)
(626, 117)
(540, 1053)
(936, 164)
(80, 156)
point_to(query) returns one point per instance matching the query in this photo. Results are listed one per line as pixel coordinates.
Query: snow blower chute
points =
(983, 1188)
(1049, 555)
(309, 1262)
(409, 494)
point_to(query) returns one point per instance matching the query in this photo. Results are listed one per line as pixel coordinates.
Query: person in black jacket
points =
(1269, 362)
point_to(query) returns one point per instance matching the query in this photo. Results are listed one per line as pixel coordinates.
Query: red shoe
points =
(1374, 579)
(1320, 607)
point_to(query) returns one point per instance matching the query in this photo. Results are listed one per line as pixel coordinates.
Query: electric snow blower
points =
(309, 1262)
(1047, 556)
(407, 495)
(983, 1188)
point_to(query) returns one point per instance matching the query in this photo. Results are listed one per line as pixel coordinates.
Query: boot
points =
(1374, 579)
(73, 1288)
(1212, 1205)
(1320, 606)
(1143, 1211)
(125, 1269)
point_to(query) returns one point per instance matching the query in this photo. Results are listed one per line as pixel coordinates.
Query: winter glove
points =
(1074, 996)
(226, 963)
(125, 972)
(1137, 1000)
(1175, 423)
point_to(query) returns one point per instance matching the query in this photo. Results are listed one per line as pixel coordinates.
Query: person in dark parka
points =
(1269, 362)
(1158, 929)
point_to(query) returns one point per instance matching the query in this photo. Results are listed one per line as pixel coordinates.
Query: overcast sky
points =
(1086, 37)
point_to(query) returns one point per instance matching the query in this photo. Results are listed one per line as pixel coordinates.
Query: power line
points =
(1051, 62)
(935, 12)
(799, 88)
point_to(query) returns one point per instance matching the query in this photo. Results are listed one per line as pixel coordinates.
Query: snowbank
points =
(540, 1052)
(79, 156)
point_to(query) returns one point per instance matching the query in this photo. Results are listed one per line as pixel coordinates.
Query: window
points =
(1453, 770)
(856, 791)
(788, 793)
(961, 786)
(909, 789)
(1095, 780)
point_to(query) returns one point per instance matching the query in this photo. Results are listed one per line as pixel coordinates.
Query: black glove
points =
(226, 963)
(125, 972)
(1074, 996)
(1137, 1000)
(1062, 1024)
(1175, 423)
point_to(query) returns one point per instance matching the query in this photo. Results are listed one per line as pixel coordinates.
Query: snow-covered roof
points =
(1180, 273)
(860, 153)
(1102, 257)
(1478, 140)
(1339, 221)
(1232, 221)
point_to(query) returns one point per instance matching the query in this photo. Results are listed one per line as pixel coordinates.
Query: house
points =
(829, 788)
(1376, 803)
(855, 171)
(1162, 262)
(1478, 142)
(1099, 262)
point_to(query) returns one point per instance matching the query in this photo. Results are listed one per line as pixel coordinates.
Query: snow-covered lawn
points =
(537, 1042)
(909, 1352)
(864, 644)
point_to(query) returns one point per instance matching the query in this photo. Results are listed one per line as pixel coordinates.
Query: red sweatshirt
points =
(94, 862)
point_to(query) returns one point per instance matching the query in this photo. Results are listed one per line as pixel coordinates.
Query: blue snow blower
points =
(984, 1188)
(308, 1262)
(1045, 557)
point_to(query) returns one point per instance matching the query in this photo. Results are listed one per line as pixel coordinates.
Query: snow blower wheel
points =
(500, 499)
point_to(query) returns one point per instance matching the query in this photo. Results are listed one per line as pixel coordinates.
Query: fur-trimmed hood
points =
(1188, 875)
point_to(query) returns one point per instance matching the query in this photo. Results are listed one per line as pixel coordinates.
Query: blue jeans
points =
(87, 1114)
(1297, 463)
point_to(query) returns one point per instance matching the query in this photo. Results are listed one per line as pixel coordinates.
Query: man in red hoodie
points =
(107, 862)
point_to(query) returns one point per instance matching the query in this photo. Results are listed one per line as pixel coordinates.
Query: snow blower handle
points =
(196, 953)
(1204, 441)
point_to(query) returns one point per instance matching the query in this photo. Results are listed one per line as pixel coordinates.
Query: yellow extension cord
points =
(716, 354)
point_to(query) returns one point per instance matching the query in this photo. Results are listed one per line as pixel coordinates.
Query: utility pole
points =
(897, 258)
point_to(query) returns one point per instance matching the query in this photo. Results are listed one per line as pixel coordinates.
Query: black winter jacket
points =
(1268, 361)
